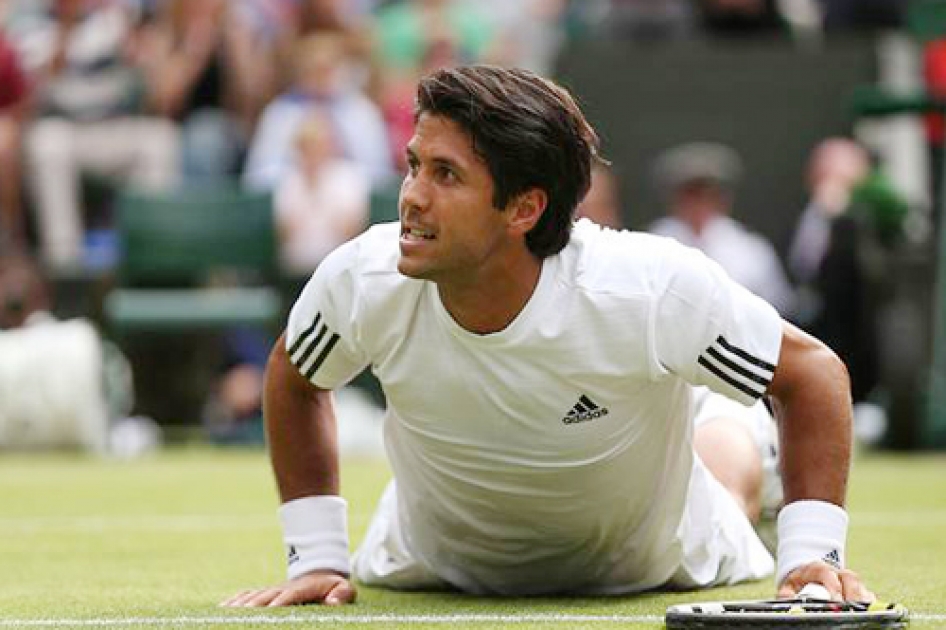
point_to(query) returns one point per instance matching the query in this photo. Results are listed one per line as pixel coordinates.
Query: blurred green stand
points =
(193, 264)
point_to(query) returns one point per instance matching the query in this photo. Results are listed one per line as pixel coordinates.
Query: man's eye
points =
(446, 174)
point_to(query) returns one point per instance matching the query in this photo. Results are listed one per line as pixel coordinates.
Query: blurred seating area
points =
(117, 115)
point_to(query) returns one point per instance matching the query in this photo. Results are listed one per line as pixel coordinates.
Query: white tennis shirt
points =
(558, 449)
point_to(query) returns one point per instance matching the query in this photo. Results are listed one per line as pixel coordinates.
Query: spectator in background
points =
(418, 37)
(838, 256)
(323, 80)
(835, 167)
(697, 180)
(24, 292)
(232, 414)
(637, 20)
(13, 111)
(210, 74)
(529, 33)
(602, 204)
(404, 28)
(322, 202)
(90, 94)
(397, 100)
(351, 22)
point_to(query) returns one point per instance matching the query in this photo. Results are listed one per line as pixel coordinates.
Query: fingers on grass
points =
(331, 590)
(291, 596)
(239, 598)
(262, 597)
(230, 600)
(342, 593)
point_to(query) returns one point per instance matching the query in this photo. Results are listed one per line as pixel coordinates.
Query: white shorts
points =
(383, 559)
(720, 545)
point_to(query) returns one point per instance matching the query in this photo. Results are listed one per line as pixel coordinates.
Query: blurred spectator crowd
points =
(308, 99)
(311, 101)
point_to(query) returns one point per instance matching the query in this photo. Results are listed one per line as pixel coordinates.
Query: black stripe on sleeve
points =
(746, 389)
(322, 356)
(311, 348)
(742, 354)
(735, 367)
(308, 331)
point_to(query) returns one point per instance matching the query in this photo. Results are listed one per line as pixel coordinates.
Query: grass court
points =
(158, 542)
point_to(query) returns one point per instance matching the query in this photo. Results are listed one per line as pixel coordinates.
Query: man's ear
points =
(526, 210)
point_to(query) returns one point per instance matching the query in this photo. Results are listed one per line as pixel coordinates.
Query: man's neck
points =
(491, 302)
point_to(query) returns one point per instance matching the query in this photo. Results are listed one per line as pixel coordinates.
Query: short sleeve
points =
(322, 335)
(709, 330)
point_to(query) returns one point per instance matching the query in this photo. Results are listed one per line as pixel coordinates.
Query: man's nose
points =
(415, 195)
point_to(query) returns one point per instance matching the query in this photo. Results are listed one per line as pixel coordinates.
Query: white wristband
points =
(809, 531)
(315, 531)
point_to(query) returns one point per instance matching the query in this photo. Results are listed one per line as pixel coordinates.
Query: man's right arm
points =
(303, 446)
(300, 430)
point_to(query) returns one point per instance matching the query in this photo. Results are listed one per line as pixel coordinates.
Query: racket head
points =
(788, 613)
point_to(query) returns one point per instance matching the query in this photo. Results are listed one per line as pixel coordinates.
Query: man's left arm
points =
(812, 395)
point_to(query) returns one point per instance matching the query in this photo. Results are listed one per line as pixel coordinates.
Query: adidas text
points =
(585, 409)
(584, 416)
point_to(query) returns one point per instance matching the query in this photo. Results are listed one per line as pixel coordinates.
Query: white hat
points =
(704, 161)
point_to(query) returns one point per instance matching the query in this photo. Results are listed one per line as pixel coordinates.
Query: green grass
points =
(159, 541)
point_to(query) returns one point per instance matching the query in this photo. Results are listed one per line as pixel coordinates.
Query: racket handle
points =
(813, 590)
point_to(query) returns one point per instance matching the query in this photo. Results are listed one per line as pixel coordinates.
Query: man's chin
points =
(410, 269)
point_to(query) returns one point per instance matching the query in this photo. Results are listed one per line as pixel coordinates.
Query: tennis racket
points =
(804, 611)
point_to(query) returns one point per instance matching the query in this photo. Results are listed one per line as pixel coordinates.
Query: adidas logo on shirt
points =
(585, 409)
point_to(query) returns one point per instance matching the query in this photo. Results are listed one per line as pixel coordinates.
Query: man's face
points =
(450, 230)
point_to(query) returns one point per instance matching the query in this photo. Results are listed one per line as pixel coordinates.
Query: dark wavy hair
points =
(529, 131)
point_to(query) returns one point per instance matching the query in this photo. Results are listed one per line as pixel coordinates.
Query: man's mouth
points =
(416, 234)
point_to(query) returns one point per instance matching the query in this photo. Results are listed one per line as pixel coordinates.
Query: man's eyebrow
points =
(445, 161)
(437, 160)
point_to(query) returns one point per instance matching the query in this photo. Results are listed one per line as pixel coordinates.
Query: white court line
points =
(276, 620)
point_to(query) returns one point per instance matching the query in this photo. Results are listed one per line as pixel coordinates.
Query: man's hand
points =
(843, 584)
(318, 587)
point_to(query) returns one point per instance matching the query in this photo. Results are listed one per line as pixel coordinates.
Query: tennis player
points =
(543, 380)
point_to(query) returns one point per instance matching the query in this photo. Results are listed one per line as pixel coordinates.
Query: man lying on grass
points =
(559, 417)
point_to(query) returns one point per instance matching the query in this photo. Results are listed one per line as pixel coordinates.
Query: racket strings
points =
(801, 605)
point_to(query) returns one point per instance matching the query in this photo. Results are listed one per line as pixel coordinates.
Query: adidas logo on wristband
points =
(833, 558)
(293, 555)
